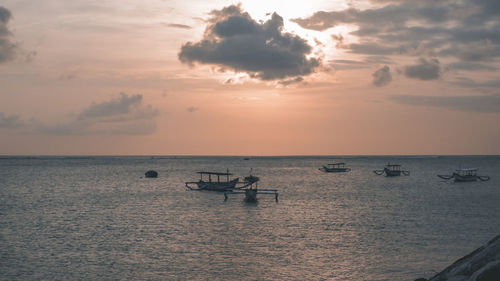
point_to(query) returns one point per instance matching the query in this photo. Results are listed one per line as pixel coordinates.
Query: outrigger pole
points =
(251, 194)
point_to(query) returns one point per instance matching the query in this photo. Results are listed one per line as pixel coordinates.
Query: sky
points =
(172, 77)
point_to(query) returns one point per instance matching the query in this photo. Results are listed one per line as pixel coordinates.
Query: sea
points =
(99, 218)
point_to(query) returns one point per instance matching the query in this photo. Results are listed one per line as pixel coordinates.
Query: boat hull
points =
(217, 186)
(392, 173)
(251, 195)
(334, 170)
(461, 178)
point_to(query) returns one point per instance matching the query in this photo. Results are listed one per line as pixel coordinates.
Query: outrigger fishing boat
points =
(464, 175)
(392, 170)
(252, 191)
(334, 168)
(217, 185)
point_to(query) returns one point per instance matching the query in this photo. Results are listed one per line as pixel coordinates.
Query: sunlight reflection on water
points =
(98, 218)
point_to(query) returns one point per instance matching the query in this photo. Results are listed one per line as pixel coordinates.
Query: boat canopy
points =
(393, 167)
(214, 173)
(466, 170)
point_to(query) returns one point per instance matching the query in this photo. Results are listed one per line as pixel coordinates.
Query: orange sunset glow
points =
(249, 77)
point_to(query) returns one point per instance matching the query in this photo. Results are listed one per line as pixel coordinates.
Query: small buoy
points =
(151, 174)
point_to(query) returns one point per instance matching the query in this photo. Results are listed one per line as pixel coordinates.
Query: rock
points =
(421, 279)
(151, 174)
(483, 264)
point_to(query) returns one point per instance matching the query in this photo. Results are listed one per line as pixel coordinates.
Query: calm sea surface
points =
(97, 218)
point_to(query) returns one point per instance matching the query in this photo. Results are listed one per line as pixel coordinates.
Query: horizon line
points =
(242, 155)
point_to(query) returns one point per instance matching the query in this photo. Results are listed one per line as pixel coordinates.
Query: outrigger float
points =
(252, 191)
(335, 168)
(392, 170)
(218, 185)
(465, 175)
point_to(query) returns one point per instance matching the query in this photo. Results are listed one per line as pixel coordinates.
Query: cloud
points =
(10, 122)
(382, 76)
(470, 66)
(466, 31)
(8, 48)
(236, 41)
(68, 76)
(378, 59)
(374, 49)
(192, 109)
(339, 39)
(30, 56)
(482, 104)
(394, 14)
(291, 81)
(482, 50)
(5, 16)
(124, 115)
(178, 25)
(123, 106)
(424, 70)
(348, 64)
(469, 83)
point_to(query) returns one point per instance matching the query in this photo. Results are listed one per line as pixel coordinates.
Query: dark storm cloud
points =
(424, 69)
(8, 48)
(382, 76)
(10, 122)
(235, 41)
(483, 104)
(125, 115)
(464, 30)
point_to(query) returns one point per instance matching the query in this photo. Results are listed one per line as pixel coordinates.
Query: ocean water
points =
(98, 218)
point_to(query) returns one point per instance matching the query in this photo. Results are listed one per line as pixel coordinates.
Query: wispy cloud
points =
(68, 76)
(479, 103)
(382, 76)
(470, 83)
(10, 121)
(342, 64)
(291, 81)
(192, 109)
(178, 25)
(125, 115)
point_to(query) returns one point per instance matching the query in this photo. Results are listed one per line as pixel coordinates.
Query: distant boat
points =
(212, 184)
(465, 175)
(246, 158)
(392, 170)
(151, 174)
(208, 182)
(334, 168)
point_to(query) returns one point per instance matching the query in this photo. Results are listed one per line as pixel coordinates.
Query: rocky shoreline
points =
(482, 264)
